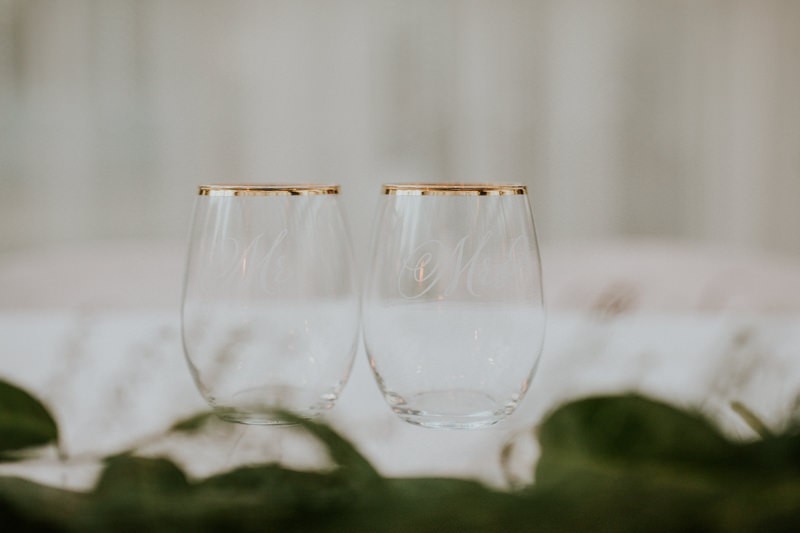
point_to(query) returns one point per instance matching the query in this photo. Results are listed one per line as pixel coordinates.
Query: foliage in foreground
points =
(622, 463)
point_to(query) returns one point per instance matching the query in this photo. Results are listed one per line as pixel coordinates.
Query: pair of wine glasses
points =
(453, 317)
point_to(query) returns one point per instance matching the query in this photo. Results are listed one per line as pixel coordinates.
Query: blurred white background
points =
(676, 119)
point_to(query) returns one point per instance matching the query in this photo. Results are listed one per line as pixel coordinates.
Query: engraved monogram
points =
(469, 263)
(261, 260)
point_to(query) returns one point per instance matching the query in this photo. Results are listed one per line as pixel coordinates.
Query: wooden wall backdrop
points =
(676, 119)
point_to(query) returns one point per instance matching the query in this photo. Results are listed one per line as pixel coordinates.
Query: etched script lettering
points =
(433, 265)
(260, 261)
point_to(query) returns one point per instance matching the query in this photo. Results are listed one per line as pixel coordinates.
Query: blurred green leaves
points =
(623, 463)
(637, 464)
(24, 422)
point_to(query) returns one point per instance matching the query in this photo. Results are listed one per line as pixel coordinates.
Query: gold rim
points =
(454, 189)
(267, 190)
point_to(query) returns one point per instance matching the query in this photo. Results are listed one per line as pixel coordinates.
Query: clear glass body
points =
(270, 311)
(453, 310)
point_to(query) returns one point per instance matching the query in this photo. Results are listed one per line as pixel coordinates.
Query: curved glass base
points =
(256, 418)
(263, 405)
(452, 409)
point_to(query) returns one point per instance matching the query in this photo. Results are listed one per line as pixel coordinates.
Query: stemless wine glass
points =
(453, 310)
(270, 311)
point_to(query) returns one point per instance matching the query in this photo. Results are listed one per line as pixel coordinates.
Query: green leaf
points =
(342, 451)
(28, 506)
(421, 504)
(191, 424)
(629, 462)
(623, 431)
(251, 497)
(24, 421)
(140, 475)
(136, 493)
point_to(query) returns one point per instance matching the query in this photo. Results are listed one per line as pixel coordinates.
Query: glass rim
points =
(454, 189)
(267, 189)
